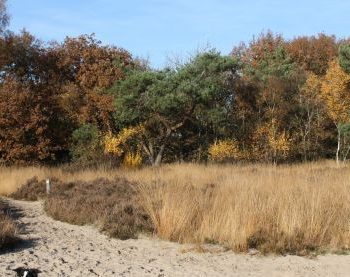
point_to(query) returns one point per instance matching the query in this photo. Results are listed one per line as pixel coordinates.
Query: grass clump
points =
(8, 228)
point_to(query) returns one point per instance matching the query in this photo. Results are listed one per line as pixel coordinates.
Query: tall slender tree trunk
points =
(338, 145)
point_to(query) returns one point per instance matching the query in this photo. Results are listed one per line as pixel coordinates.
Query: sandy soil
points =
(60, 249)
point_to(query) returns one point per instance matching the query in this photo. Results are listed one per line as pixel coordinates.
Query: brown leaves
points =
(90, 68)
(313, 53)
(24, 124)
(47, 92)
(91, 65)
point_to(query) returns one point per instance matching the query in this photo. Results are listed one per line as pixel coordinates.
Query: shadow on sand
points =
(19, 244)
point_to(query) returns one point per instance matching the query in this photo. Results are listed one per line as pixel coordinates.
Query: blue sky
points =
(162, 29)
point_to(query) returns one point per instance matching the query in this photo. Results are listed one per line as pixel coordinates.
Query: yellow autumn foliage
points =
(312, 86)
(114, 143)
(224, 150)
(280, 144)
(132, 160)
(270, 142)
(335, 91)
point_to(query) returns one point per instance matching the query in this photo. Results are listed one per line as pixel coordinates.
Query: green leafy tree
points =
(191, 102)
(344, 57)
(86, 148)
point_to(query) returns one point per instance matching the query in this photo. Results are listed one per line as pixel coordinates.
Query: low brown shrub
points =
(8, 228)
(33, 189)
(112, 205)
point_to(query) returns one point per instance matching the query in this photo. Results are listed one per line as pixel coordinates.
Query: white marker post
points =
(48, 186)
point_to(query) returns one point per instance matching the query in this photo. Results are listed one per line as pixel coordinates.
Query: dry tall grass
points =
(275, 209)
(8, 229)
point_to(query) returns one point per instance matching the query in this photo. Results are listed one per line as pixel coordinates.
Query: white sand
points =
(60, 249)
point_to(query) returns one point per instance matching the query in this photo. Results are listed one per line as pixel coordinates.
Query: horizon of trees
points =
(271, 100)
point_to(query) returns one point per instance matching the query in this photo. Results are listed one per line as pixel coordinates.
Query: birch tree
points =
(335, 91)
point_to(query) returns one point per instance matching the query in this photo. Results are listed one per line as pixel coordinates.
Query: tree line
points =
(270, 100)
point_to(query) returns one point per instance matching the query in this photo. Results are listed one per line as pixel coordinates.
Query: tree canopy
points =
(270, 100)
(175, 105)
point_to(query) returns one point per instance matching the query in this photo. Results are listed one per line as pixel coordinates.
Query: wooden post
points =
(48, 186)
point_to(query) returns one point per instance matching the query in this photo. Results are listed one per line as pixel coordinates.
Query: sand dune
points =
(60, 249)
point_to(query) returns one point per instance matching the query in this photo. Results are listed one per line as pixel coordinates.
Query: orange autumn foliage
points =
(335, 91)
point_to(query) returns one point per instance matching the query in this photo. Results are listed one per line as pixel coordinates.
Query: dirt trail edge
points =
(61, 249)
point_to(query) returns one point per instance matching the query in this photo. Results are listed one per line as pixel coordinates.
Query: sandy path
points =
(60, 249)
